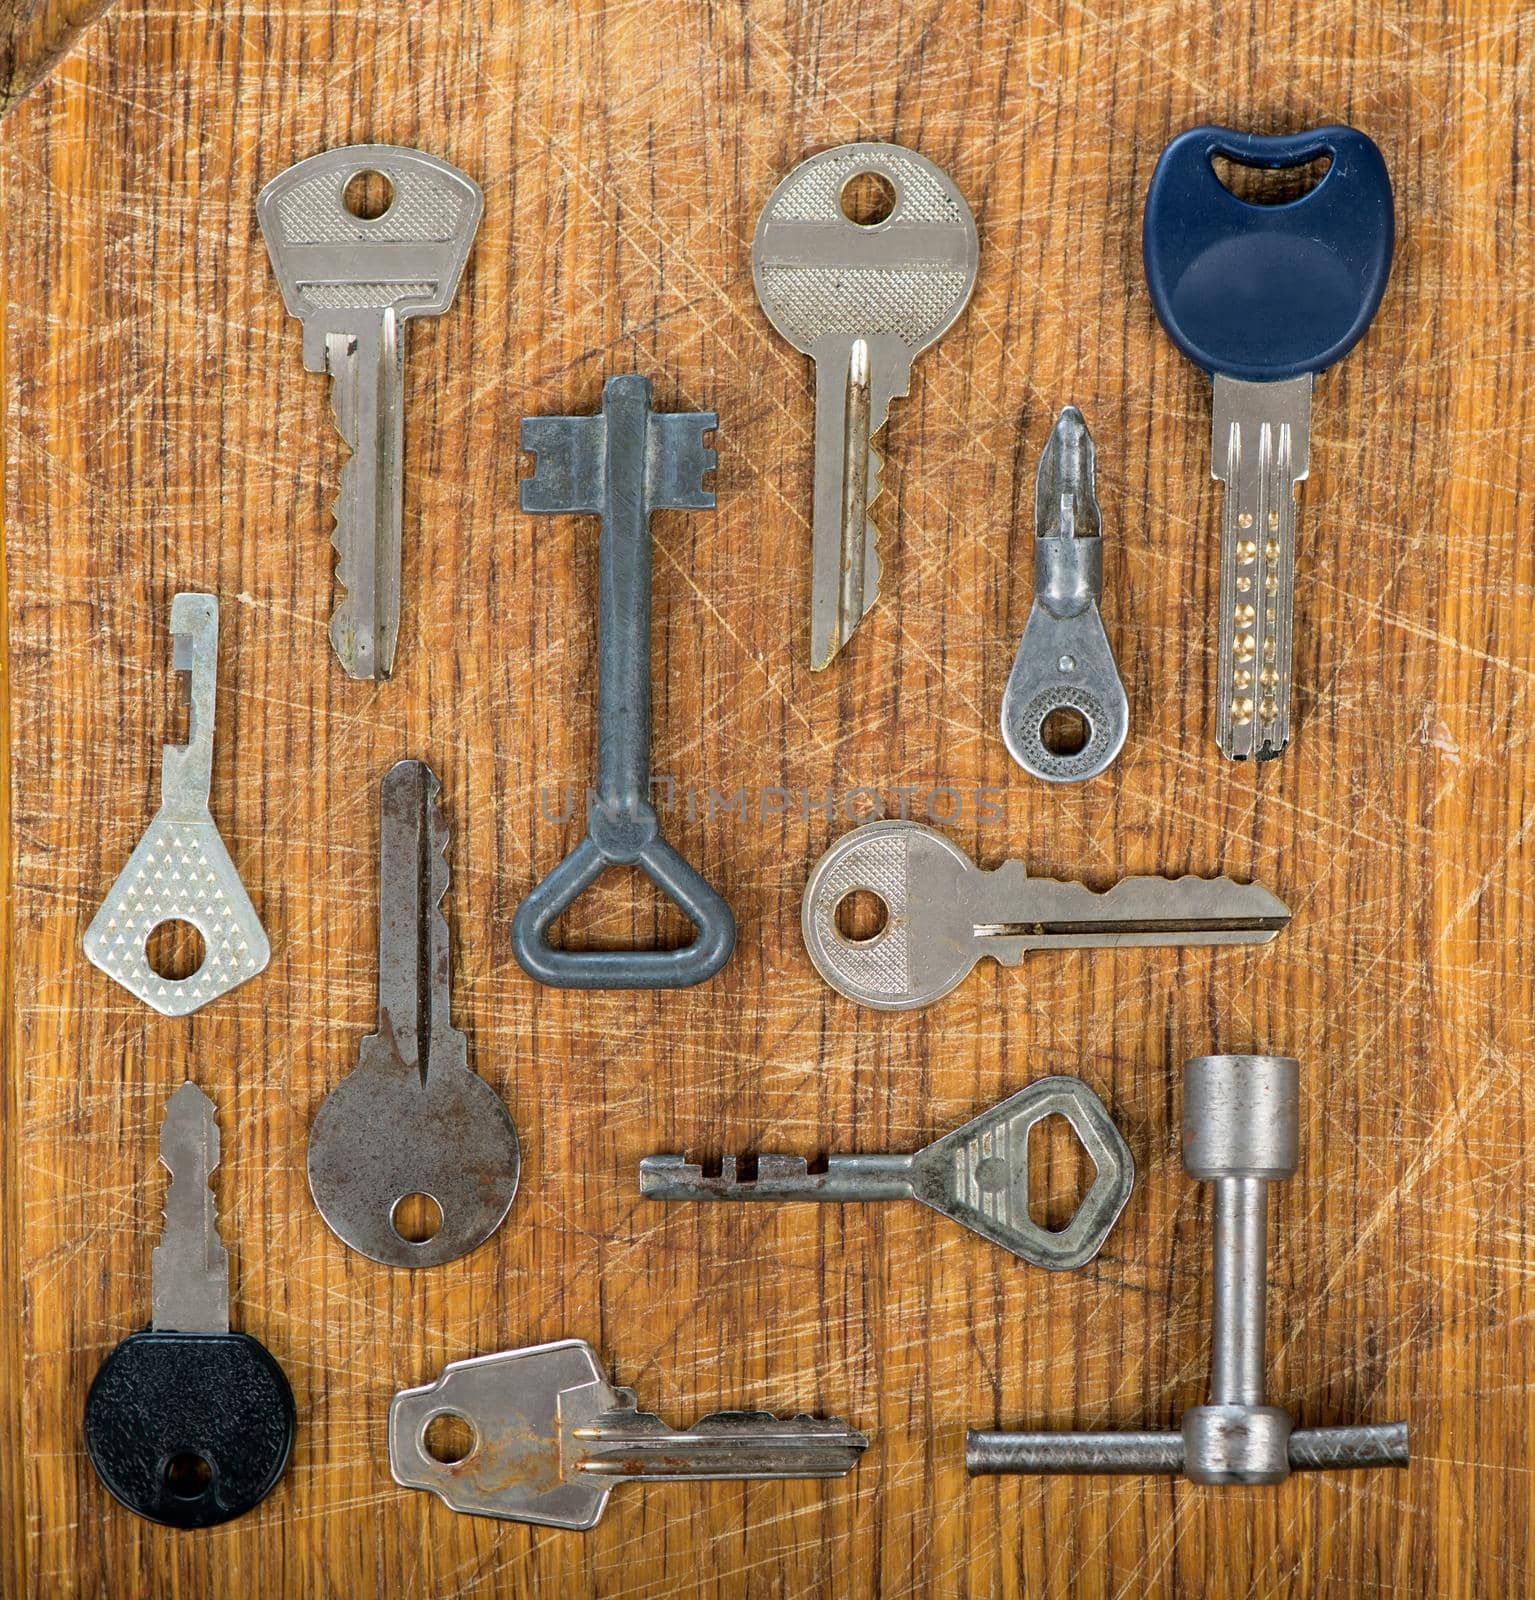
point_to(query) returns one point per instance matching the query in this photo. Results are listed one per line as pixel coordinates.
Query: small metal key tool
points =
(979, 1175)
(413, 1118)
(550, 1437)
(1064, 662)
(624, 463)
(1240, 1134)
(187, 1423)
(180, 870)
(1264, 297)
(355, 281)
(943, 914)
(862, 299)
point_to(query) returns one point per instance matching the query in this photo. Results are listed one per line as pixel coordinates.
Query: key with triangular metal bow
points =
(180, 870)
(355, 281)
(550, 1436)
(943, 914)
(413, 1118)
(978, 1174)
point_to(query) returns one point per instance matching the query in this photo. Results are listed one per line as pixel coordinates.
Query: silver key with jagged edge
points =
(863, 300)
(180, 870)
(355, 281)
(551, 1437)
(943, 914)
(1064, 662)
(978, 1175)
(413, 1118)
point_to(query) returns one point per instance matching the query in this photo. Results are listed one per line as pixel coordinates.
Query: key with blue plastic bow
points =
(1264, 297)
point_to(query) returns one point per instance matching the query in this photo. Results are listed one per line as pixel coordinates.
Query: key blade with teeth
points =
(943, 914)
(413, 1118)
(978, 1175)
(552, 1437)
(190, 1266)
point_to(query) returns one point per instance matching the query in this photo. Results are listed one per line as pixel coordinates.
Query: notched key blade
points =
(628, 1444)
(190, 1266)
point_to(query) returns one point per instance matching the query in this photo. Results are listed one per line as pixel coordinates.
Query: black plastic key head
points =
(1268, 292)
(189, 1429)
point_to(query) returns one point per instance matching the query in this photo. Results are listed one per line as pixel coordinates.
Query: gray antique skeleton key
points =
(354, 281)
(413, 1117)
(863, 300)
(978, 1174)
(943, 914)
(1064, 662)
(180, 871)
(550, 1437)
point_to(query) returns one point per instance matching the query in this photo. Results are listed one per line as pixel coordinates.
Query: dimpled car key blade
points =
(943, 914)
(1064, 662)
(1264, 297)
(979, 1175)
(551, 1436)
(354, 281)
(862, 299)
(413, 1118)
(187, 1423)
(180, 870)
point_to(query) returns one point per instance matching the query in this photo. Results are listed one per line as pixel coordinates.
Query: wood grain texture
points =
(34, 34)
(161, 434)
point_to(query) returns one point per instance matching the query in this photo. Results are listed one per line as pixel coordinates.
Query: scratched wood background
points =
(161, 434)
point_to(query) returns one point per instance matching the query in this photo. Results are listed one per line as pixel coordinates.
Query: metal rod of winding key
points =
(1240, 1133)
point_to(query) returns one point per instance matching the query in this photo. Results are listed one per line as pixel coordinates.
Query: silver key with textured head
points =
(863, 299)
(551, 1436)
(943, 914)
(354, 281)
(413, 1118)
(180, 870)
(1064, 662)
(979, 1175)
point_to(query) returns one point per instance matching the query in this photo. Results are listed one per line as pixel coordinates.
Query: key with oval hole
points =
(186, 1423)
(943, 914)
(978, 1175)
(863, 299)
(1264, 297)
(180, 871)
(1064, 663)
(413, 1118)
(549, 1437)
(355, 281)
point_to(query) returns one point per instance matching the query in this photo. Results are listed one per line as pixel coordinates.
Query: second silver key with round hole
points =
(863, 299)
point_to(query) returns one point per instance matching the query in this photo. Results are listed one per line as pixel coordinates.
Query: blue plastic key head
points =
(1268, 292)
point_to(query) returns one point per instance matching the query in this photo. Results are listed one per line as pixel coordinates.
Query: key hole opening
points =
(368, 195)
(449, 1437)
(416, 1218)
(1061, 1172)
(1269, 186)
(188, 1475)
(861, 916)
(175, 950)
(868, 199)
(1065, 731)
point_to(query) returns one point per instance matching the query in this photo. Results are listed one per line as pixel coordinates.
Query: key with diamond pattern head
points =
(863, 298)
(355, 281)
(1264, 297)
(187, 1423)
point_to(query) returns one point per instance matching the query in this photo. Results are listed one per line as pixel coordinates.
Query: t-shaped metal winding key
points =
(1240, 1133)
(623, 464)
(187, 1423)
(355, 281)
(978, 1174)
(180, 870)
(1264, 297)
(943, 914)
(550, 1437)
(413, 1118)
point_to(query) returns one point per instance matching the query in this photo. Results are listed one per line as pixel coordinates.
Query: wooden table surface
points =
(161, 434)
